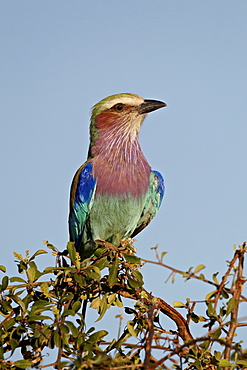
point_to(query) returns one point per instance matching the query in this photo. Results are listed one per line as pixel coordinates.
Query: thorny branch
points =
(166, 309)
(188, 275)
(224, 279)
(239, 284)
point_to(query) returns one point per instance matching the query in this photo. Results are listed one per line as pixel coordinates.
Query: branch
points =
(190, 275)
(224, 279)
(148, 344)
(239, 285)
(165, 308)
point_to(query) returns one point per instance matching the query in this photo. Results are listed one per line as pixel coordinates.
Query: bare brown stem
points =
(224, 279)
(148, 344)
(239, 284)
(166, 309)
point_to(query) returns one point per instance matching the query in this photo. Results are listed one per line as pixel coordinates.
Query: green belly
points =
(115, 215)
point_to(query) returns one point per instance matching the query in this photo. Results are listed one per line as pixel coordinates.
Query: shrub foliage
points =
(47, 309)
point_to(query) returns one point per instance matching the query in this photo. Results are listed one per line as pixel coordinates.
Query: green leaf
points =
(102, 263)
(74, 330)
(132, 259)
(99, 359)
(137, 275)
(198, 364)
(50, 246)
(33, 272)
(5, 282)
(6, 305)
(217, 355)
(215, 278)
(195, 318)
(64, 364)
(13, 344)
(224, 294)
(19, 302)
(45, 287)
(130, 311)
(205, 345)
(99, 251)
(40, 306)
(118, 302)
(40, 251)
(95, 303)
(57, 339)
(111, 298)
(130, 327)
(68, 313)
(178, 304)
(199, 268)
(49, 270)
(23, 364)
(102, 307)
(112, 278)
(224, 363)
(96, 337)
(72, 251)
(97, 270)
(211, 311)
(134, 283)
(93, 275)
(210, 295)
(76, 306)
(2, 268)
(162, 255)
(9, 324)
(67, 297)
(80, 280)
(232, 303)
(22, 266)
(90, 330)
(216, 334)
(64, 328)
(17, 278)
(242, 363)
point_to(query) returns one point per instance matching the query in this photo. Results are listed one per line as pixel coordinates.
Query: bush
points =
(47, 309)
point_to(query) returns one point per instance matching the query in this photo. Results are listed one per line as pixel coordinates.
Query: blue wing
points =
(153, 201)
(81, 200)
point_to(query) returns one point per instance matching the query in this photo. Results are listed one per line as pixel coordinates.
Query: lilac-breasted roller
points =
(114, 193)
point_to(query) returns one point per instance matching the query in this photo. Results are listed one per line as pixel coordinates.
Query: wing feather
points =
(153, 201)
(81, 200)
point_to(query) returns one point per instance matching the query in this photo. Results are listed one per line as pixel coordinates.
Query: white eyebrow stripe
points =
(133, 101)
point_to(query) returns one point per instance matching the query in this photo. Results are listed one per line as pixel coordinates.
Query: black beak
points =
(150, 105)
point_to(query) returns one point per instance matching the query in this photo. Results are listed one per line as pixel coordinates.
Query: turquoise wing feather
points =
(81, 200)
(153, 201)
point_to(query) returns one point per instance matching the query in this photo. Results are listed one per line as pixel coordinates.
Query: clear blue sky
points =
(58, 58)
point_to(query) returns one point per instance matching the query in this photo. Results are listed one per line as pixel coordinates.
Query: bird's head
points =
(120, 115)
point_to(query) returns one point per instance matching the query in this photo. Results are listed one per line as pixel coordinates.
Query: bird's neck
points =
(119, 163)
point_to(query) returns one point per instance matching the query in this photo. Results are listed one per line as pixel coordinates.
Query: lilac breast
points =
(120, 179)
(119, 165)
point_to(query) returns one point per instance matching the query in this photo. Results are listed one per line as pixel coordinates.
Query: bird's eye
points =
(118, 107)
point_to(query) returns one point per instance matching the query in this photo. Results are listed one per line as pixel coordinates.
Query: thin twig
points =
(187, 274)
(148, 344)
(180, 349)
(239, 284)
(190, 275)
(224, 279)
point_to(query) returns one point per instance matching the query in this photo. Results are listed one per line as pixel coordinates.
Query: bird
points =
(115, 194)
